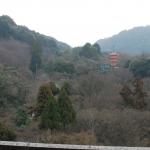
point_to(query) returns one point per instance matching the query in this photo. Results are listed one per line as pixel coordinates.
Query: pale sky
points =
(78, 21)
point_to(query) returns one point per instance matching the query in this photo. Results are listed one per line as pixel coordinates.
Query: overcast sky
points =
(78, 21)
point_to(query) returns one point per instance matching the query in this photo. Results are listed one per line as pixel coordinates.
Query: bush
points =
(140, 68)
(22, 118)
(6, 134)
(71, 138)
(67, 87)
(54, 88)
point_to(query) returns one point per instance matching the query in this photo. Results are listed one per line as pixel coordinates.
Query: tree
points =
(66, 110)
(50, 117)
(67, 87)
(140, 68)
(127, 95)
(135, 97)
(36, 60)
(54, 88)
(21, 118)
(97, 47)
(43, 96)
(90, 51)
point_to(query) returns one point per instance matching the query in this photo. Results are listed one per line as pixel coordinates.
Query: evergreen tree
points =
(67, 87)
(43, 96)
(50, 117)
(127, 95)
(67, 113)
(97, 47)
(36, 61)
(54, 88)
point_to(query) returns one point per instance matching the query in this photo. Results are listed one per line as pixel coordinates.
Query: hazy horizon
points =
(76, 22)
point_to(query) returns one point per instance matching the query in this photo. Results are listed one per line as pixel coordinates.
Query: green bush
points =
(22, 118)
(140, 68)
(54, 88)
(67, 87)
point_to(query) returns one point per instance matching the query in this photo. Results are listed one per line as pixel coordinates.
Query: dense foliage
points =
(61, 67)
(36, 60)
(131, 41)
(135, 98)
(50, 117)
(21, 118)
(55, 113)
(71, 100)
(140, 67)
(90, 51)
(12, 89)
(44, 95)
(66, 111)
(9, 29)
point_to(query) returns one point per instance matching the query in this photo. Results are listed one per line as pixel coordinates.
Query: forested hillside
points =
(52, 93)
(9, 29)
(133, 41)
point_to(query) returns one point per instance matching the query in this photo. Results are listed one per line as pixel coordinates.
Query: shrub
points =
(6, 134)
(140, 68)
(22, 118)
(67, 87)
(71, 138)
(54, 88)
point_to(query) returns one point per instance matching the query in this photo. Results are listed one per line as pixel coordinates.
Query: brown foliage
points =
(70, 138)
(135, 98)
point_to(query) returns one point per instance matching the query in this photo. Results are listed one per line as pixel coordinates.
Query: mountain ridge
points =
(135, 40)
(9, 29)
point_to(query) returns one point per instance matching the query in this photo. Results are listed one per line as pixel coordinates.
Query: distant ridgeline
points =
(9, 29)
(133, 41)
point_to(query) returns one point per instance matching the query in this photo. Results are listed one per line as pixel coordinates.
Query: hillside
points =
(16, 42)
(51, 93)
(133, 41)
(9, 29)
